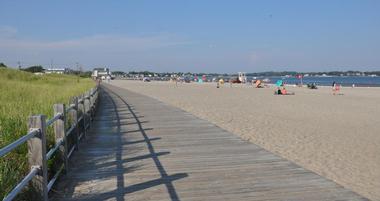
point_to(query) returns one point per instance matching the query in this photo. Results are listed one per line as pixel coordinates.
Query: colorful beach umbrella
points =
(279, 83)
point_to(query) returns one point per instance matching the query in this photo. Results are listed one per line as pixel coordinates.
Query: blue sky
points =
(196, 35)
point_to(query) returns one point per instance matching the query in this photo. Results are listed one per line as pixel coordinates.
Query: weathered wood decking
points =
(142, 149)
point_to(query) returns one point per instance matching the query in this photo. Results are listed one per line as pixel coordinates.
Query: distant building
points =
(57, 70)
(101, 73)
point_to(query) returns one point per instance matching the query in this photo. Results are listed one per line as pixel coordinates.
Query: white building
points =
(57, 70)
(101, 73)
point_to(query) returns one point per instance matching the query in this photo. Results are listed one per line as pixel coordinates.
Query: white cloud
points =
(101, 49)
(111, 42)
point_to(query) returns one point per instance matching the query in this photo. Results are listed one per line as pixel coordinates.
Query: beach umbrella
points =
(279, 83)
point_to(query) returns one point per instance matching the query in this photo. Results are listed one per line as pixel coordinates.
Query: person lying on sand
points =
(312, 86)
(283, 91)
(258, 84)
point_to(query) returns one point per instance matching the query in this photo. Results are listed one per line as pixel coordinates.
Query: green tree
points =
(86, 74)
(2, 65)
(34, 69)
(118, 73)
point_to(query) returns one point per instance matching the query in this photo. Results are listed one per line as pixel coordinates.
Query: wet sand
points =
(337, 137)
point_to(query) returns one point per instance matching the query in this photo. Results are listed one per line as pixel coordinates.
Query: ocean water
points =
(327, 81)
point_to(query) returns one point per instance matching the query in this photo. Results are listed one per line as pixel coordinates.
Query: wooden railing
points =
(78, 115)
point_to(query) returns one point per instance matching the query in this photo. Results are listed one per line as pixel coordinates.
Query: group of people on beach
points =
(281, 90)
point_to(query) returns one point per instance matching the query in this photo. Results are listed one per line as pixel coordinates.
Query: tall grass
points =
(23, 94)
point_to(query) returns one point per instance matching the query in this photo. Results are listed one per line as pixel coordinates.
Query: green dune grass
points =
(23, 94)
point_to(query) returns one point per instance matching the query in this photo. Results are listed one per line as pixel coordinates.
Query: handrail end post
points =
(37, 154)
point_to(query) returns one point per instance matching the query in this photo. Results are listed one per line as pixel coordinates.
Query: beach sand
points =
(337, 137)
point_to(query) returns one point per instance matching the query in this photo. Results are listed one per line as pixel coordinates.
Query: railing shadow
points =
(89, 164)
(165, 179)
(111, 141)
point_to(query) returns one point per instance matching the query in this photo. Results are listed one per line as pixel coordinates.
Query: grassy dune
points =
(21, 95)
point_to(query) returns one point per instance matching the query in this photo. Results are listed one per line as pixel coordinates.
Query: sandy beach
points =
(337, 137)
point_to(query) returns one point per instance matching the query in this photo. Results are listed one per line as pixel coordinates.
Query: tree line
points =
(40, 69)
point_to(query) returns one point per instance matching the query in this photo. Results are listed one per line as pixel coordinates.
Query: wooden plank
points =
(142, 149)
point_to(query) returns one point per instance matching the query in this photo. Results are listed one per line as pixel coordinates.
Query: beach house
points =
(57, 70)
(101, 73)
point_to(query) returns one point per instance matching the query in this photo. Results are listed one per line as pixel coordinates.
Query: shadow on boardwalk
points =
(100, 161)
(142, 149)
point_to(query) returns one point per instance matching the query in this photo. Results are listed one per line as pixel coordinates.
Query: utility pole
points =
(77, 64)
(19, 65)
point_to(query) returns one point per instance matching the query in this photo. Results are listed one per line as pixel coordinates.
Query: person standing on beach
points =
(333, 87)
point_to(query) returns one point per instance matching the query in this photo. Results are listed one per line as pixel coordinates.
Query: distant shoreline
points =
(364, 82)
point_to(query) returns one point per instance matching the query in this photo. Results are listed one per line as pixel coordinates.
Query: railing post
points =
(91, 103)
(74, 121)
(37, 154)
(82, 111)
(94, 101)
(87, 109)
(96, 96)
(60, 132)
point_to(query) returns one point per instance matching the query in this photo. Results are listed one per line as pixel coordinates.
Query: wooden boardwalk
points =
(141, 149)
